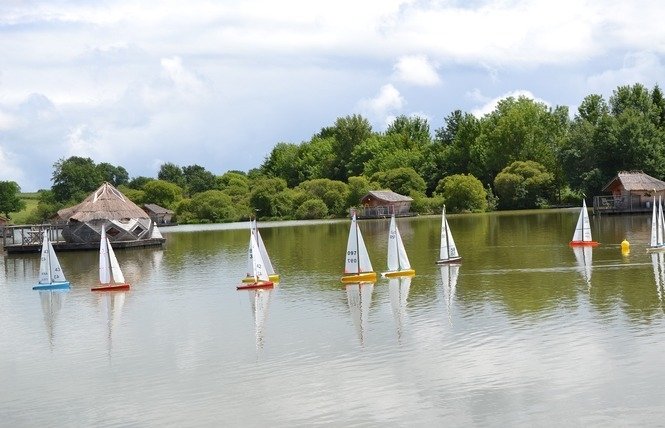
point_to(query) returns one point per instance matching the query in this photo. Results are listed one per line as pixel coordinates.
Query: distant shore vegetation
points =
(524, 154)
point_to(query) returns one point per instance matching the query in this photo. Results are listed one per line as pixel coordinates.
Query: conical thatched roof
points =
(105, 203)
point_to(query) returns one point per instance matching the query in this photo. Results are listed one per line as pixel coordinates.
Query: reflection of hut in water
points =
(108, 207)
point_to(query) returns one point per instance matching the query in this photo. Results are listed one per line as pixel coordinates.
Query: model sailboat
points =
(582, 235)
(657, 225)
(398, 261)
(274, 277)
(448, 251)
(110, 275)
(260, 278)
(357, 267)
(51, 276)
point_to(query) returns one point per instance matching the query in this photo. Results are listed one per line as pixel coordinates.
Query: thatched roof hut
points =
(106, 206)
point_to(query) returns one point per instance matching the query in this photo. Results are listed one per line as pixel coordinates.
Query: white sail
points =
(654, 224)
(45, 262)
(104, 263)
(660, 223)
(357, 257)
(250, 258)
(57, 275)
(259, 271)
(583, 227)
(448, 248)
(118, 277)
(397, 258)
(263, 251)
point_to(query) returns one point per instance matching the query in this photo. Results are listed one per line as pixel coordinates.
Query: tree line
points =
(524, 154)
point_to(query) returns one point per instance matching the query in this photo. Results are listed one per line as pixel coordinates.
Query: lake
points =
(525, 336)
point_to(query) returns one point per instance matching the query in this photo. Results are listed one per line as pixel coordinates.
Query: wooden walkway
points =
(28, 239)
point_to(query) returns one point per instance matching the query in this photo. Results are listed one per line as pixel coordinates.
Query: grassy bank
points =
(31, 201)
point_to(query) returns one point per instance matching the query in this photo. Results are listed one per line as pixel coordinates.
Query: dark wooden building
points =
(628, 192)
(383, 203)
(160, 215)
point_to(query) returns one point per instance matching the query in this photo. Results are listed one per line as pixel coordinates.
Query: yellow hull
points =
(274, 278)
(361, 277)
(399, 273)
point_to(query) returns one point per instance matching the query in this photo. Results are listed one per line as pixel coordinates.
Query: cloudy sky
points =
(218, 83)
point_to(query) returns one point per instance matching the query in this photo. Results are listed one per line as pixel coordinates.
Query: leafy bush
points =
(462, 193)
(311, 209)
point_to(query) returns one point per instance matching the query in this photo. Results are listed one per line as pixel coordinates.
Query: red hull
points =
(267, 284)
(115, 287)
(583, 243)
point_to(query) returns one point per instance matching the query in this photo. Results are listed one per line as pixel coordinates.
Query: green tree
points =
(523, 185)
(281, 163)
(348, 132)
(400, 180)
(262, 193)
(198, 179)
(212, 206)
(172, 173)
(74, 178)
(312, 209)
(334, 193)
(10, 198)
(115, 175)
(138, 182)
(163, 193)
(462, 193)
(358, 187)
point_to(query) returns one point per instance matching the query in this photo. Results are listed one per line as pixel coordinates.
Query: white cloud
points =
(416, 70)
(10, 170)
(491, 104)
(640, 67)
(388, 100)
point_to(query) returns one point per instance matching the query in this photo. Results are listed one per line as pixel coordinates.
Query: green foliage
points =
(212, 206)
(74, 178)
(172, 173)
(311, 209)
(333, 193)
(137, 183)
(423, 205)
(348, 132)
(10, 197)
(358, 187)
(462, 193)
(263, 190)
(116, 175)
(134, 195)
(198, 179)
(281, 163)
(400, 180)
(162, 193)
(523, 184)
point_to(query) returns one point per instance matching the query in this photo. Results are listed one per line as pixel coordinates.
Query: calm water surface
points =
(526, 335)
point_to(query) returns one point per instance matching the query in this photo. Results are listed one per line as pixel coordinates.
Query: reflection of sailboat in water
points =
(112, 304)
(584, 257)
(260, 300)
(658, 262)
(51, 305)
(359, 297)
(449, 274)
(399, 293)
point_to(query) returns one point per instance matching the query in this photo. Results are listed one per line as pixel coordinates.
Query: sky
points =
(219, 83)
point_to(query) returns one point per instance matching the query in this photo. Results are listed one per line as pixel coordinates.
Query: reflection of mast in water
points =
(359, 297)
(399, 292)
(658, 262)
(260, 300)
(584, 257)
(51, 305)
(449, 274)
(112, 303)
